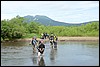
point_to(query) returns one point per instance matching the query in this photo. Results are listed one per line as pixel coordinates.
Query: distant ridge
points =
(50, 22)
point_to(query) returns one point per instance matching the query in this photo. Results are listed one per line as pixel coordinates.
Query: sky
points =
(63, 11)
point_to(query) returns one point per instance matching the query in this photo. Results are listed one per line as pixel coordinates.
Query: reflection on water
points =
(66, 54)
(41, 61)
(53, 53)
(34, 59)
(38, 60)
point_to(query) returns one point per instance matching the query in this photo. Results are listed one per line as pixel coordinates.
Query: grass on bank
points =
(31, 35)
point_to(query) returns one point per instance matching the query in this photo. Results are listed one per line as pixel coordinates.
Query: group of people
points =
(39, 45)
(53, 40)
(44, 36)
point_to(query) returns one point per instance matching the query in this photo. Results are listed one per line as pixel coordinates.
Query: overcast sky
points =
(64, 11)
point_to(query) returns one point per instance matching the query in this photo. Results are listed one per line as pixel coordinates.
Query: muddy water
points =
(66, 54)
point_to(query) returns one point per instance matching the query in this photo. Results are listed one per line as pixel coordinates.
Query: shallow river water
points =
(67, 54)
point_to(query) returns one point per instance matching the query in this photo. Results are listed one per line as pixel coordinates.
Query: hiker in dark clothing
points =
(41, 48)
(51, 38)
(55, 41)
(34, 42)
(47, 35)
(43, 36)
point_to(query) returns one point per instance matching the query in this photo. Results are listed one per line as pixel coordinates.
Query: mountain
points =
(45, 20)
(48, 21)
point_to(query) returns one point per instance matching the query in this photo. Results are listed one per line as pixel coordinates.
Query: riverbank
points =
(79, 38)
(64, 39)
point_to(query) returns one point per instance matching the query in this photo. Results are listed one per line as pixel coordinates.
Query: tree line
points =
(17, 28)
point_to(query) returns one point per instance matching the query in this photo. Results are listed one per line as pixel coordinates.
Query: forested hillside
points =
(18, 28)
(44, 20)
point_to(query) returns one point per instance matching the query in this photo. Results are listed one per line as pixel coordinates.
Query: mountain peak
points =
(47, 21)
(44, 20)
(28, 16)
(42, 17)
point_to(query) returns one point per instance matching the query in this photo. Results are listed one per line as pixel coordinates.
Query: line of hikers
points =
(40, 46)
(44, 36)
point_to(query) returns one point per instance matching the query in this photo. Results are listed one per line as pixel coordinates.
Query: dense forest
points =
(17, 28)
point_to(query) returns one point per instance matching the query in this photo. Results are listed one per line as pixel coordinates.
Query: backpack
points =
(33, 42)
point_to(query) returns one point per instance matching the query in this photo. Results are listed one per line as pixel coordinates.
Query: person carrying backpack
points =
(34, 43)
(41, 48)
(55, 41)
(51, 38)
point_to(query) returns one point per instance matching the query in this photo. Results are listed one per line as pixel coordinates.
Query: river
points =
(69, 53)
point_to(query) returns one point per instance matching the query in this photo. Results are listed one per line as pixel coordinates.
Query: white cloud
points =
(58, 10)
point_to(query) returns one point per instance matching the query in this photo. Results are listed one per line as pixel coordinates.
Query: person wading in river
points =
(51, 38)
(55, 41)
(34, 43)
(41, 48)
